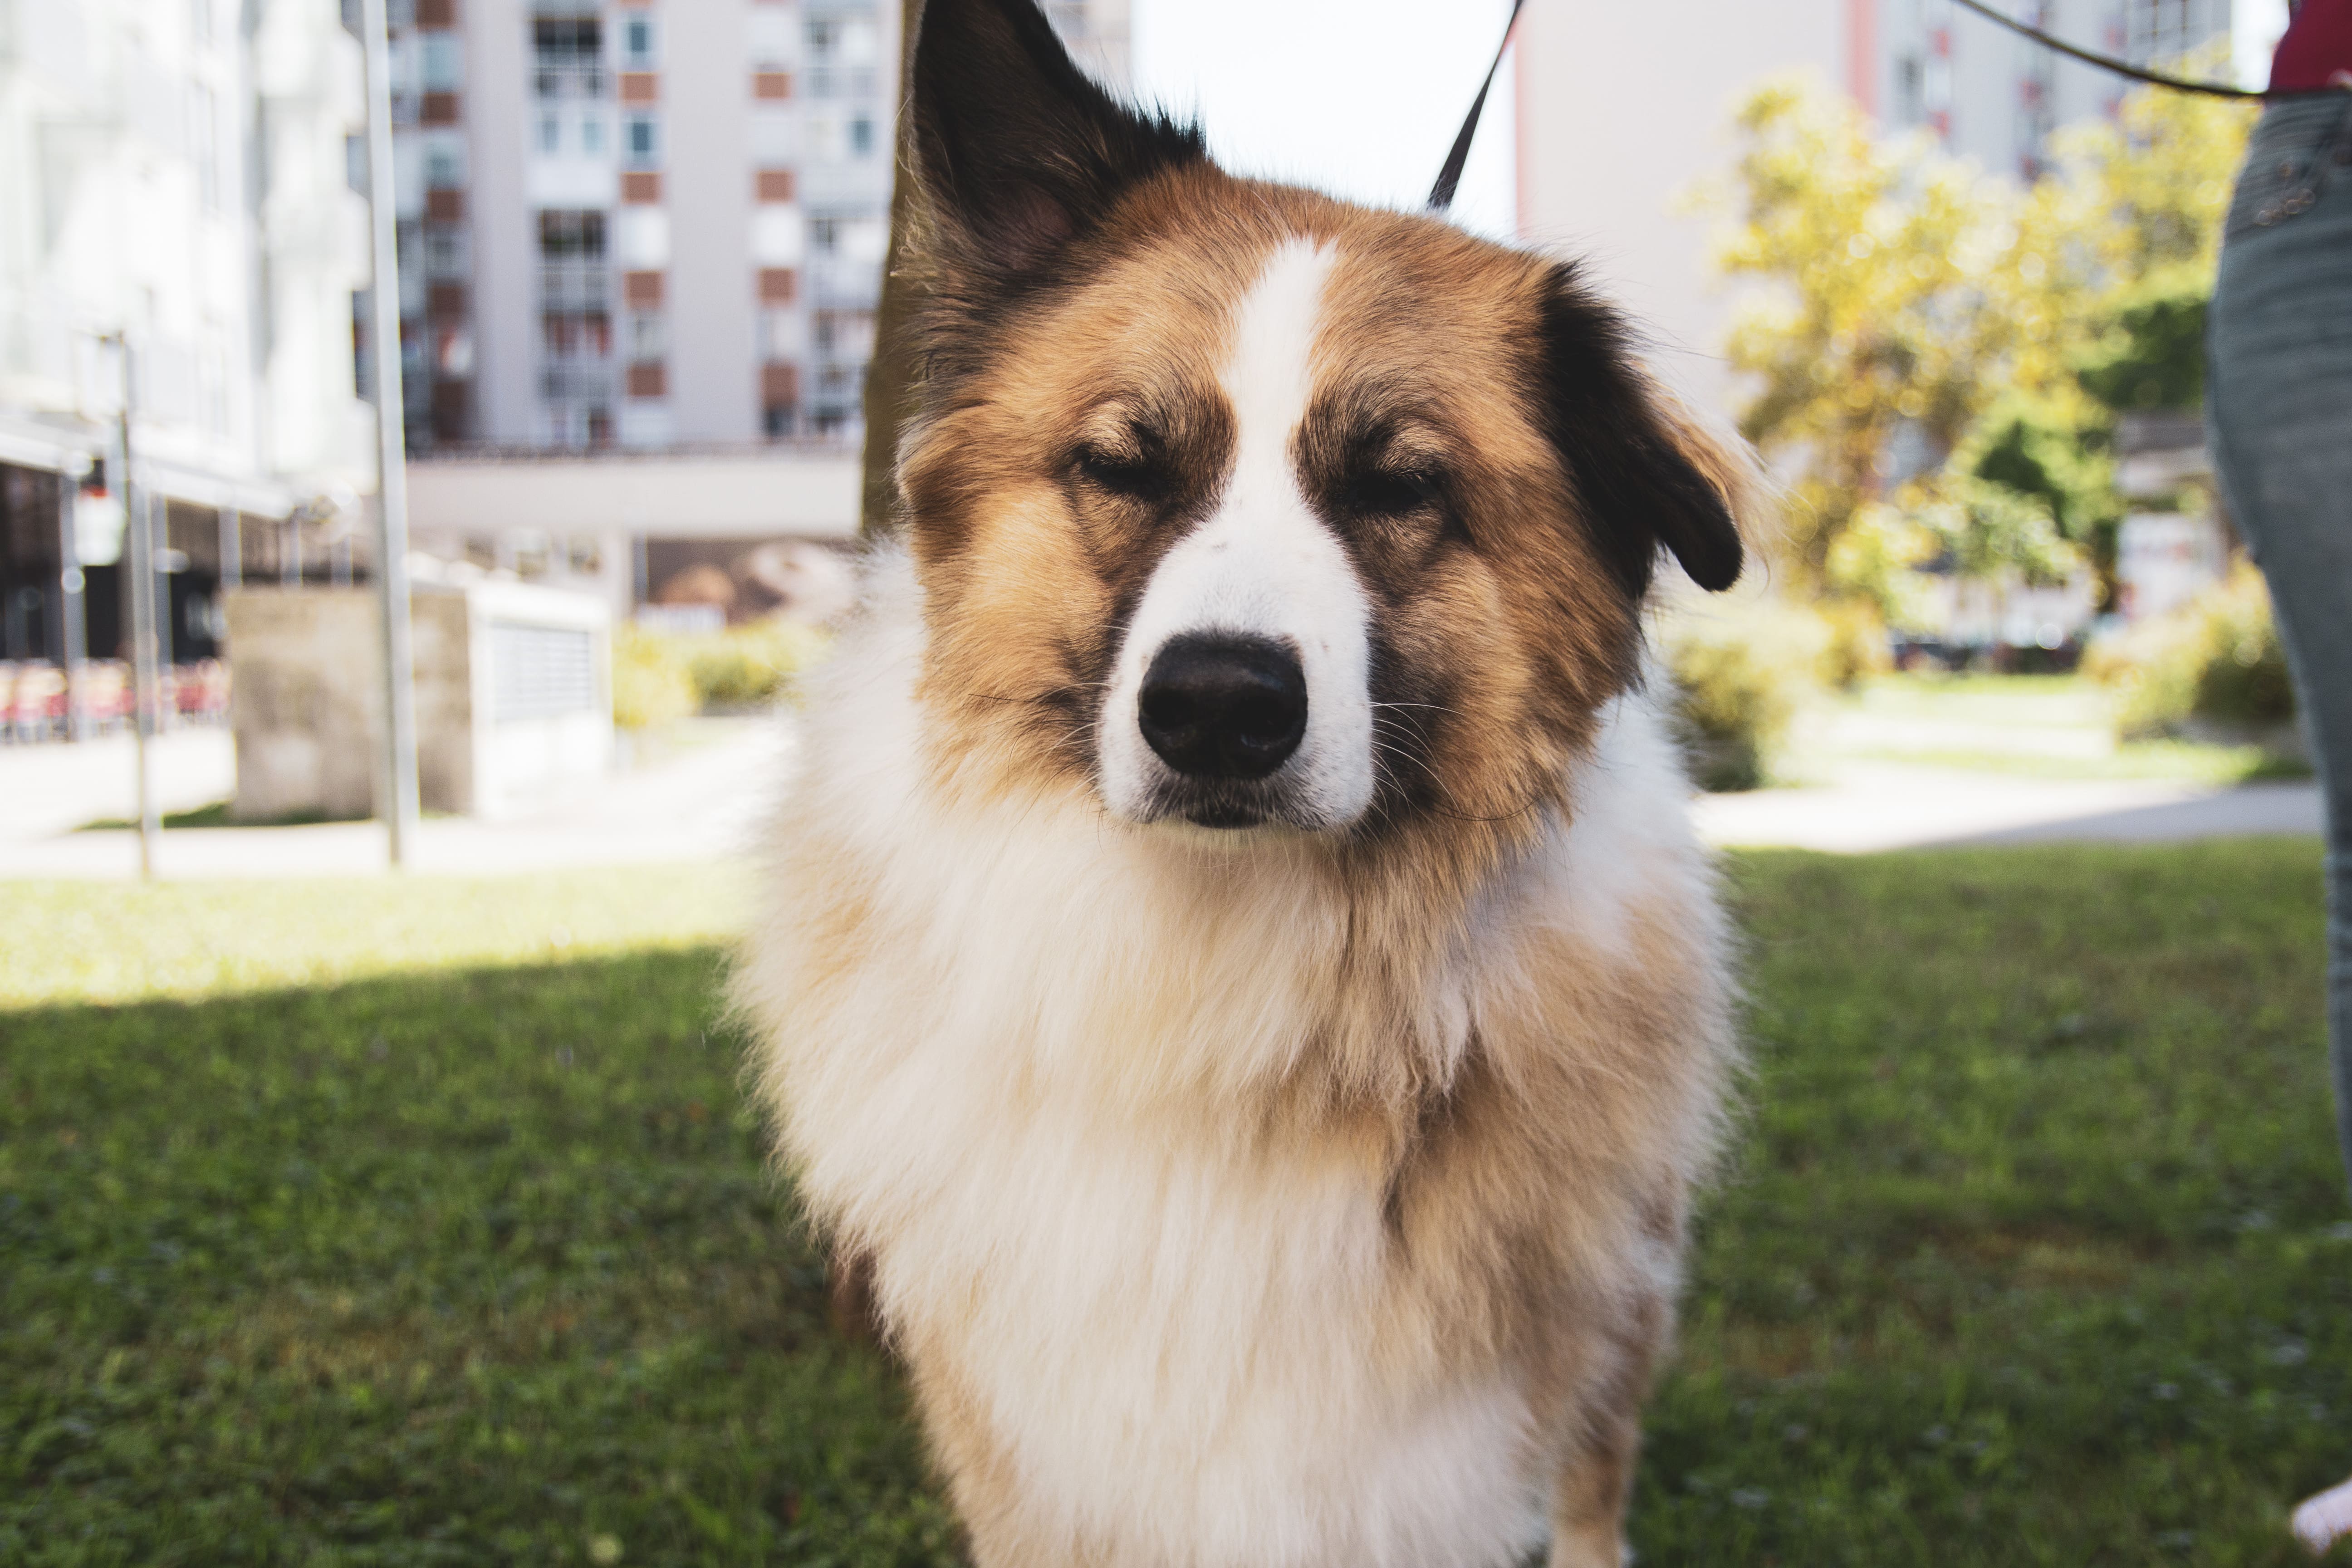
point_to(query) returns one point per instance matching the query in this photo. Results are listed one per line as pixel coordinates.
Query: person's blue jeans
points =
(2279, 402)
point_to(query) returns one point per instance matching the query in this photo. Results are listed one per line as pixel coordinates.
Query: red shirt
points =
(2318, 45)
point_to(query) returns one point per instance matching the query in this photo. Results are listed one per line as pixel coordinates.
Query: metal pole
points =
(70, 582)
(397, 793)
(138, 582)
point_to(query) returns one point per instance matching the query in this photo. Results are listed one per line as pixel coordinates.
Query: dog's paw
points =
(2325, 1520)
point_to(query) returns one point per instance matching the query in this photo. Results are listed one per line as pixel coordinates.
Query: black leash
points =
(2122, 68)
(1441, 194)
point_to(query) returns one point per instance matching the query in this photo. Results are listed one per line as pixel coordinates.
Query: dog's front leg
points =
(1596, 1479)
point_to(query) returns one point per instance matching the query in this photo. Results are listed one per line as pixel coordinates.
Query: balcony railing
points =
(573, 286)
(838, 81)
(560, 79)
(579, 378)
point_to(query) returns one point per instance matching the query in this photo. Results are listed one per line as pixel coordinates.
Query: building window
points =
(770, 37)
(648, 340)
(2160, 31)
(444, 252)
(567, 40)
(576, 334)
(571, 234)
(550, 134)
(442, 64)
(778, 419)
(637, 40)
(825, 236)
(592, 135)
(641, 140)
(780, 337)
(861, 137)
(567, 55)
(444, 169)
(772, 142)
(845, 335)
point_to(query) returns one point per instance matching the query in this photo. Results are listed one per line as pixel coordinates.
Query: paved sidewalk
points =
(703, 801)
(1895, 806)
(49, 789)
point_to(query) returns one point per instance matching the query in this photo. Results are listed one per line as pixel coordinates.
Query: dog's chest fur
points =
(1169, 1263)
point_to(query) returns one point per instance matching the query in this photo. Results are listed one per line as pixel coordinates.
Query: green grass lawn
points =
(462, 1251)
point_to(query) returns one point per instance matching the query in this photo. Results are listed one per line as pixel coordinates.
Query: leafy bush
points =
(651, 685)
(752, 664)
(1856, 647)
(658, 677)
(2216, 661)
(1741, 668)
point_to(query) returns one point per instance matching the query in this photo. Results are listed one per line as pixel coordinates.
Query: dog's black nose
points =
(1224, 707)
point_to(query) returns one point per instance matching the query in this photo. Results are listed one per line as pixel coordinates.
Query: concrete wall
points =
(306, 707)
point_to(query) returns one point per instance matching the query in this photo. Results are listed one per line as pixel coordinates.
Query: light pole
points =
(397, 767)
(139, 571)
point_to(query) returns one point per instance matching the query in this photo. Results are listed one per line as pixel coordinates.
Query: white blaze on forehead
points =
(1263, 565)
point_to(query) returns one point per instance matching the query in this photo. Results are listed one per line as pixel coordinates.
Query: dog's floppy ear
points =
(1017, 152)
(1646, 473)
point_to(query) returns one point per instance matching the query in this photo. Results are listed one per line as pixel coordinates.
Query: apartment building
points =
(642, 245)
(641, 225)
(174, 173)
(1996, 97)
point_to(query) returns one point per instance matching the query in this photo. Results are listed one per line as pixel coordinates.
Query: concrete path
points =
(701, 801)
(49, 789)
(1895, 806)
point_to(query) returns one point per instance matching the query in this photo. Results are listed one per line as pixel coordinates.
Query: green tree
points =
(1918, 330)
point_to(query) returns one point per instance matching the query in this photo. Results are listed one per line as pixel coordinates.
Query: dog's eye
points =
(1139, 476)
(1393, 492)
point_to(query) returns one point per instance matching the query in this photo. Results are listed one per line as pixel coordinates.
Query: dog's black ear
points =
(1018, 151)
(1645, 475)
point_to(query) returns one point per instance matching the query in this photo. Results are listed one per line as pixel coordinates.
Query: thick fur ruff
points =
(1236, 1208)
(1235, 959)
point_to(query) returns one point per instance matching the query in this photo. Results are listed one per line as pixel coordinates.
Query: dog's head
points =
(1242, 507)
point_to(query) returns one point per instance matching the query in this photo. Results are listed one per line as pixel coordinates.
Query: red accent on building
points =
(778, 285)
(1862, 53)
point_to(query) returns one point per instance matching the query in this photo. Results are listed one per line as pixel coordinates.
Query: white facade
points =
(174, 173)
(132, 134)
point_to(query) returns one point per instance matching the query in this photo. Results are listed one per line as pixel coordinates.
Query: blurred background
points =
(1951, 284)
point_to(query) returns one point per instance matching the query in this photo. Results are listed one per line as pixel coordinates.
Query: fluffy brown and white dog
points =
(1235, 958)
